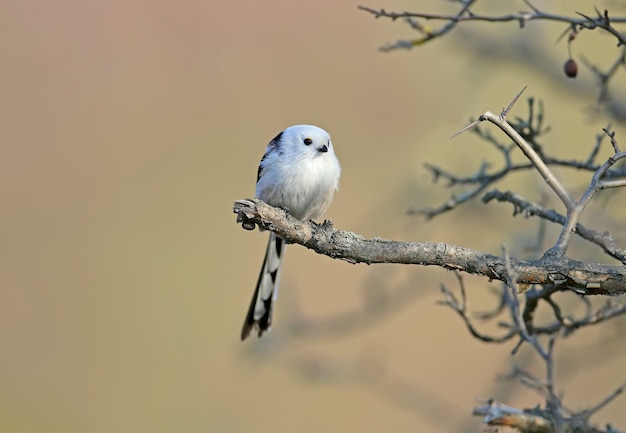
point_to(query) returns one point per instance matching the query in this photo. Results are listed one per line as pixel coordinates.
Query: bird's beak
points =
(324, 149)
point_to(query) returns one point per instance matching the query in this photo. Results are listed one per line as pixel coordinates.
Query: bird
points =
(299, 173)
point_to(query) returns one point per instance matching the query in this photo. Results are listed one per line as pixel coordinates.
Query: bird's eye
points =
(308, 141)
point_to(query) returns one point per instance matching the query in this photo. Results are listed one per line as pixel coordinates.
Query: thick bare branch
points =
(498, 414)
(532, 420)
(584, 278)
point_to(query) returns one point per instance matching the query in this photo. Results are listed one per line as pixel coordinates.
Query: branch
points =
(530, 153)
(602, 21)
(498, 414)
(605, 240)
(460, 307)
(573, 26)
(534, 155)
(429, 34)
(530, 129)
(584, 278)
(535, 420)
(597, 183)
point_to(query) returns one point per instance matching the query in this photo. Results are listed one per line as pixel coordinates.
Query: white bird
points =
(300, 173)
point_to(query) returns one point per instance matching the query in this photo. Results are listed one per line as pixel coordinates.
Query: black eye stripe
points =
(308, 141)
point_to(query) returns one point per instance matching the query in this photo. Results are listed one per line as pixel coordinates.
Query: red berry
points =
(570, 68)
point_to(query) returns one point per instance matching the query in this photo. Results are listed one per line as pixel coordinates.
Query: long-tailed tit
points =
(300, 173)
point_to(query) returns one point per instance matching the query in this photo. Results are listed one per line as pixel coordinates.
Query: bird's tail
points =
(260, 312)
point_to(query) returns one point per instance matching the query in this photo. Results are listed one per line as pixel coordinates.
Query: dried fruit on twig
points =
(570, 68)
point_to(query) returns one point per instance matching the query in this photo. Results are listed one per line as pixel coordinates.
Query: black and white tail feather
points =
(299, 172)
(266, 291)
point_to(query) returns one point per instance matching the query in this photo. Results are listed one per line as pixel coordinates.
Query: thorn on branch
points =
(470, 126)
(506, 111)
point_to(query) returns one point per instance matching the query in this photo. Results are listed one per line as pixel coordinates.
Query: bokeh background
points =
(130, 127)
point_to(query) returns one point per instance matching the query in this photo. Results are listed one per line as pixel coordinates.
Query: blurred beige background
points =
(130, 127)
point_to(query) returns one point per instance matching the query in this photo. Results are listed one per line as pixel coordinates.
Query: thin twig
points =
(521, 18)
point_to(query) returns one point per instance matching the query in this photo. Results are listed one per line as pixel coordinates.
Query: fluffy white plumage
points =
(299, 172)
